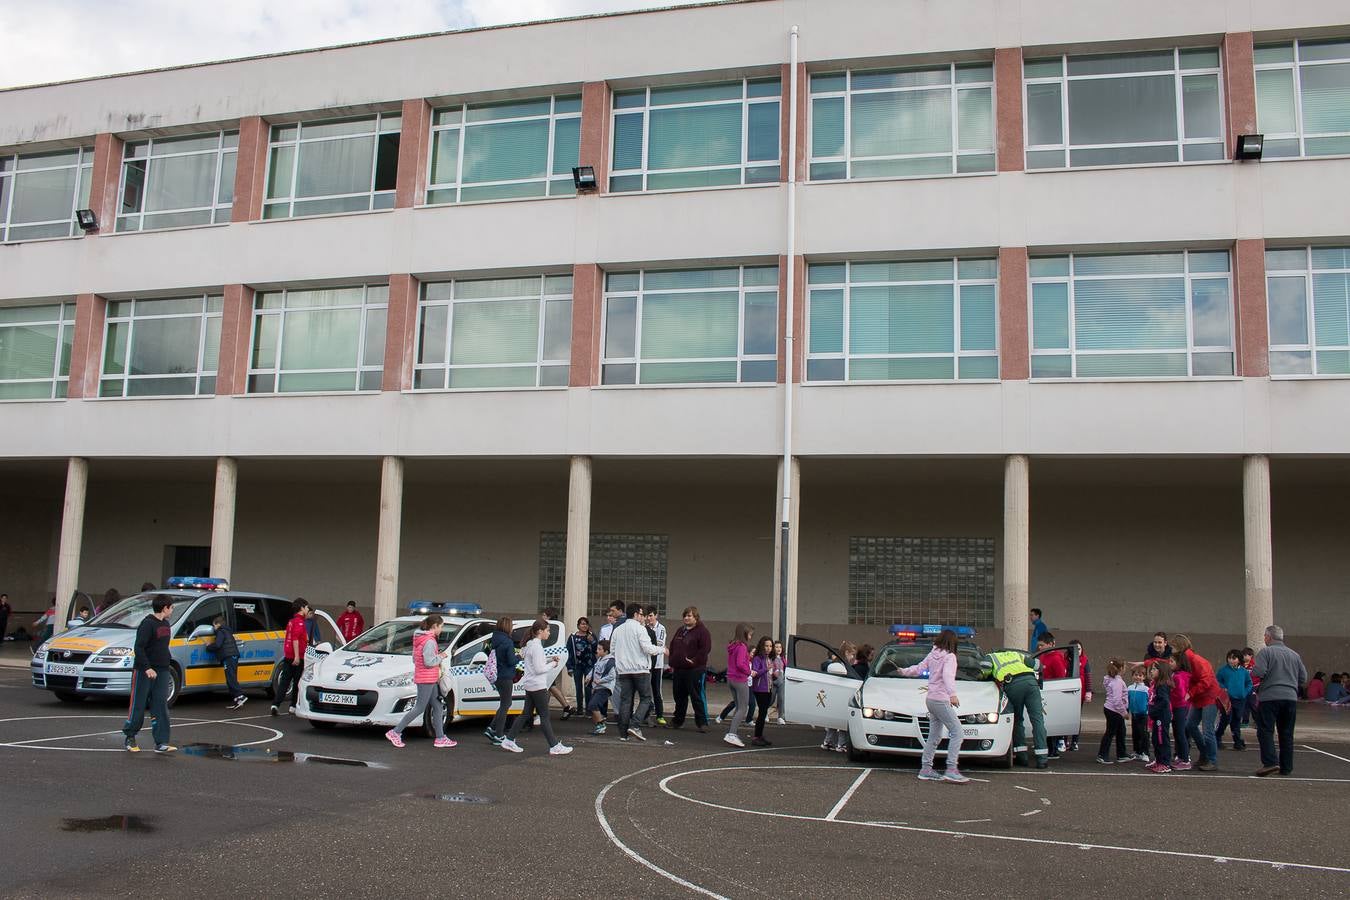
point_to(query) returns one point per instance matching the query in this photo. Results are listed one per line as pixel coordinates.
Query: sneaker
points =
(624, 738)
(567, 713)
(760, 742)
(733, 739)
(929, 774)
(536, 721)
(782, 721)
(1207, 766)
(719, 720)
(1073, 748)
(637, 733)
(955, 777)
(559, 750)
(661, 720)
(1239, 746)
(492, 736)
(130, 746)
(508, 744)
(826, 745)
(1181, 765)
(394, 738)
(1158, 768)
(1125, 759)
(239, 702)
(1266, 770)
(1104, 761)
(599, 729)
(840, 748)
(274, 709)
(165, 748)
(1144, 758)
(444, 742)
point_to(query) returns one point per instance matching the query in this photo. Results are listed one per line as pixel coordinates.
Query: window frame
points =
(848, 159)
(59, 383)
(1311, 346)
(377, 199)
(220, 213)
(9, 172)
(276, 371)
(1296, 67)
(1067, 147)
(212, 307)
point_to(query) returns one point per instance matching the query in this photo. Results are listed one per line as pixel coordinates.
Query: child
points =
(1115, 708)
(427, 658)
(1137, 696)
(738, 679)
(580, 660)
(1160, 713)
(761, 685)
(1181, 711)
(779, 668)
(835, 739)
(599, 685)
(226, 649)
(535, 683)
(1253, 700)
(1335, 692)
(1237, 681)
(1085, 696)
(941, 703)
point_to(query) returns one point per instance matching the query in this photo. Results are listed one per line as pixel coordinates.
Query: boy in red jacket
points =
(293, 655)
(350, 623)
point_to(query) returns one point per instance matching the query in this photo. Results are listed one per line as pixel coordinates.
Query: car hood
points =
(346, 669)
(90, 640)
(907, 695)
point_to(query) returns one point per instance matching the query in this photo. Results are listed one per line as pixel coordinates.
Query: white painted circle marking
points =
(41, 743)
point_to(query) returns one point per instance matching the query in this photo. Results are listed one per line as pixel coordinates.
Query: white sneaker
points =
(536, 721)
(511, 745)
(559, 750)
(734, 740)
(782, 721)
(719, 720)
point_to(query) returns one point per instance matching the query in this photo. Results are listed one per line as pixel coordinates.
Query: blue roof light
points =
(195, 583)
(444, 607)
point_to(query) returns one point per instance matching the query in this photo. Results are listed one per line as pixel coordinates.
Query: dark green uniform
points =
(1024, 695)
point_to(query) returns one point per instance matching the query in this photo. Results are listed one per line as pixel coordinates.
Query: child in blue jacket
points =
(1237, 681)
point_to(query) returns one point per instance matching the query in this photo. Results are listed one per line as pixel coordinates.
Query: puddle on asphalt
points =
(459, 798)
(262, 754)
(126, 824)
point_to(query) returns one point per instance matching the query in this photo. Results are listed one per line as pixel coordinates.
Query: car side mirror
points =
(479, 659)
(201, 631)
(836, 668)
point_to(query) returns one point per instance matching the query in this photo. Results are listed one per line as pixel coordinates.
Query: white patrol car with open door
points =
(369, 681)
(885, 712)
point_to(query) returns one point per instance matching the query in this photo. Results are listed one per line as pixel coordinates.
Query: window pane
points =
(509, 109)
(493, 377)
(864, 81)
(1122, 110)
(1200, 105)
(1139, 365)
(762, 142)
(628, 141)
(1318, 50)
(337, 128)
(43, 196)
(1129, 264)
(1333, 362)
(319, 381)
(1122, 63)
(1130, 314)
(825, 273)
(1331, 294)
(827, 321)
(165, 346)
(830, 81)
(444, 156)
(689, 373)
(1207, 261)
(977, 317)
(895, 124)
(335, 167)
(918, 369)
(923, 270)
(266, 329)
(28, 351)
(824, 370)
(1286, 260)
(694, 137)
(975, 120)
(678, 279)
(566, 145)
(697, 93)
(761, 324)
(1329, 257)
(901, 319)
(620, 328)
(181, 181)
(432, 339)
(1326, 98)
(506, 152)
(902, 168)
(1210, 319)
(1051, 366)
(1287, 300)
(373, 347)
(827, 127)
(501, 331)
(1290, 362)
(320, 339)
(759, 371)
(280, 172)
(1200, 58)
(1274, 53)
(978, 367)
(1049, 316)
(211, 345)
(228, 169)
(1275, 108)
(1123, 156)
(1043, 68)
(1211, 364)
(115, 348)
(558, 329)
(689, 326)
(1045, 115)
(1049, 266)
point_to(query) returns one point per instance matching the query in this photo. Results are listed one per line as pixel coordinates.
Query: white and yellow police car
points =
(369, 681)
(884, 712)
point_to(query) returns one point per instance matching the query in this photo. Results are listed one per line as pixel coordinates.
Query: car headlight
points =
(41, 652)
(980, 719)
(113, 656)
(397, 681)
(872, 712)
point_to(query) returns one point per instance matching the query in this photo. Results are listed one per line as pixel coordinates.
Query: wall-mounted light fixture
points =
(1249, 146)
(86, 219)
(584, 178)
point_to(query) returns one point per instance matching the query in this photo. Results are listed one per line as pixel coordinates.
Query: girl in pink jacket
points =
(940, 664)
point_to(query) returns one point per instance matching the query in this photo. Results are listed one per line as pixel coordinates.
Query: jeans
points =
(640, 685)
(505, 688)
(742, 694)
(1233, 720)
(1139, 732)
(1277, 716)
(762, 698)
(536, 704)
(689, 690)
(1180, 720)
(778, 697)
(155, 691)
(1115, 728)
(231, 666)
(1024, 698)
(288, 684)
(427, 695)
(1205, 740)
(657, 702)
(582, 682)
(941, 716)
(1162, 740)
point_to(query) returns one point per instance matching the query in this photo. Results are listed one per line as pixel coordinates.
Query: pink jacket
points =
(941, 667)
(423, 673)
(738, 662)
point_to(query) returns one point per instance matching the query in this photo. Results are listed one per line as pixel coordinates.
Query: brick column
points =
(1008, 109)
(1253, 328)
(803, 98)
(400, 331)
(236, 329)
(105, 179)
(588, 295)
(595, 128)
(798, 317)
(1014, 345)
(86, 352)
(1239, 87)
(251, 170)
(413, 147)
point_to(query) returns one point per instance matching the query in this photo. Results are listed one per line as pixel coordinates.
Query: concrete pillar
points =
(1014, 344)
(596, 103)
(588, 295)
(250, 171)
(1016, 549)
(400, 333)
(1008, 108)
(390, 541)
(1257, 547)
(576, 575)
(413, 149)
(222, 518)
(794, 546)
(105, 178)
(72, 537)
(1239, 86)
(1253, 325)
(86, 352)
(236, 329)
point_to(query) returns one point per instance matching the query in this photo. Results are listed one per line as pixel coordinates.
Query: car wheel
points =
(271, 689)
(1006, 760)
(322, 726)
(69, 697)
(175, 686)
(856, 755)
(449, 716)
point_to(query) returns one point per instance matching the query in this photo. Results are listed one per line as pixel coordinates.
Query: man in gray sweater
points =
(1281, 674)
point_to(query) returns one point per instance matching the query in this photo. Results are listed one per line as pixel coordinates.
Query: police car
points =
(885, 712)
(95, 658)
(370, 680)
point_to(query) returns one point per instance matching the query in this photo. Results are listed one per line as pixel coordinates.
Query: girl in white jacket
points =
(535, 684)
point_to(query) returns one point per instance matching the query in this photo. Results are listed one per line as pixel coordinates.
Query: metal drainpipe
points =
(785, 536)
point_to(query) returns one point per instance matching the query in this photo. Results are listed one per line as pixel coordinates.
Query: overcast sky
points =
(56, 40)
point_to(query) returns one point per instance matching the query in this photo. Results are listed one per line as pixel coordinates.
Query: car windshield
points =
(396, 638)
(131, 611)
(893, 657)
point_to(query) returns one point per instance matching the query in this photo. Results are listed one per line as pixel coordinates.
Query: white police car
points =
(369, 681)
(885, 712)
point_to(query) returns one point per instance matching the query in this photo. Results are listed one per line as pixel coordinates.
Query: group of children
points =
(1334, 691)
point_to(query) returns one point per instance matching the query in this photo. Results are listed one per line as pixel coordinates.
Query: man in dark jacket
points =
(150, 677)
(1280, 674)
(688, 660)
(226, 649)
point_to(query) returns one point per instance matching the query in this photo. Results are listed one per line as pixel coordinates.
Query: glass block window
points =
(334, 166)
(39, 193)
(627, 567)
(1137, 315)
(921, 580)
(161, 347)
(691, 326)
(327, 339)
(495, 333)
(177, 181)
(35, 344)
(1308, 302)
(694, 136)
(504, 150)
(1303, 98)
(921, 320)
(896, 123)
(1117, 109)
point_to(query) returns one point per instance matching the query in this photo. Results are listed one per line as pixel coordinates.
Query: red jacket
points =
(351, 624)
(297, 638)
(1204, 687)
(1054, 665)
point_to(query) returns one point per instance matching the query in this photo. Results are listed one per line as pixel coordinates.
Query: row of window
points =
(1152, 107)
(1135, 315)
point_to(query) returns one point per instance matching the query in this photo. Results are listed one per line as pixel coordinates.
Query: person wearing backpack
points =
(427, 676)
(500, 672)
(538, 674)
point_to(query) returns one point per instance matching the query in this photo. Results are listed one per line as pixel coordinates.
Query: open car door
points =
(814, 696)
(1062, 698)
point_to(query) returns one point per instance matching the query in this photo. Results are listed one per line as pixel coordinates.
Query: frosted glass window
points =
(35, 344)
(910, 320)
(324, 339)
(157, 347)
(1308, 303)
(1303, 98)
(39, 193)
(342, 165)
(178, 181)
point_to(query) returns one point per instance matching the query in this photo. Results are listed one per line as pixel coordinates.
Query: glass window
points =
(897, 123)
(1303, 98)
(325, 339)
(1308, 301)
(35, 344)
(910, 320)
(1115, 109)
(39, 193)
(691, 326)
(503, 150)
(178, 181)
(1136, 315)
(696, 136)
(161, 347)
(335, 166)
(495, 333)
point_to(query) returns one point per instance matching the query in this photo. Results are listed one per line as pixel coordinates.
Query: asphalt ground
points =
(343, 813)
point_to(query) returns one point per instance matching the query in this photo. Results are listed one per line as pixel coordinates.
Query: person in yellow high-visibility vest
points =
(1018, 679)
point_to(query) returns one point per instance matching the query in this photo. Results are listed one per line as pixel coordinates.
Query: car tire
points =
(856, 755)
(175, 686)
(69, 696)
(449, 716)
(271, 689)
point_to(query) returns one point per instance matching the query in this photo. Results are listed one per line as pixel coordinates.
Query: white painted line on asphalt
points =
(1027, 789)
(848, 794)
(1325, 753)
(1034, 812)
(958, 822)
(40, 743)
(1203, 776)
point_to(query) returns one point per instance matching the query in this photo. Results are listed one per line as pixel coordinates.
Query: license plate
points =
(62, 669)
(339, 699)
(971, 732)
